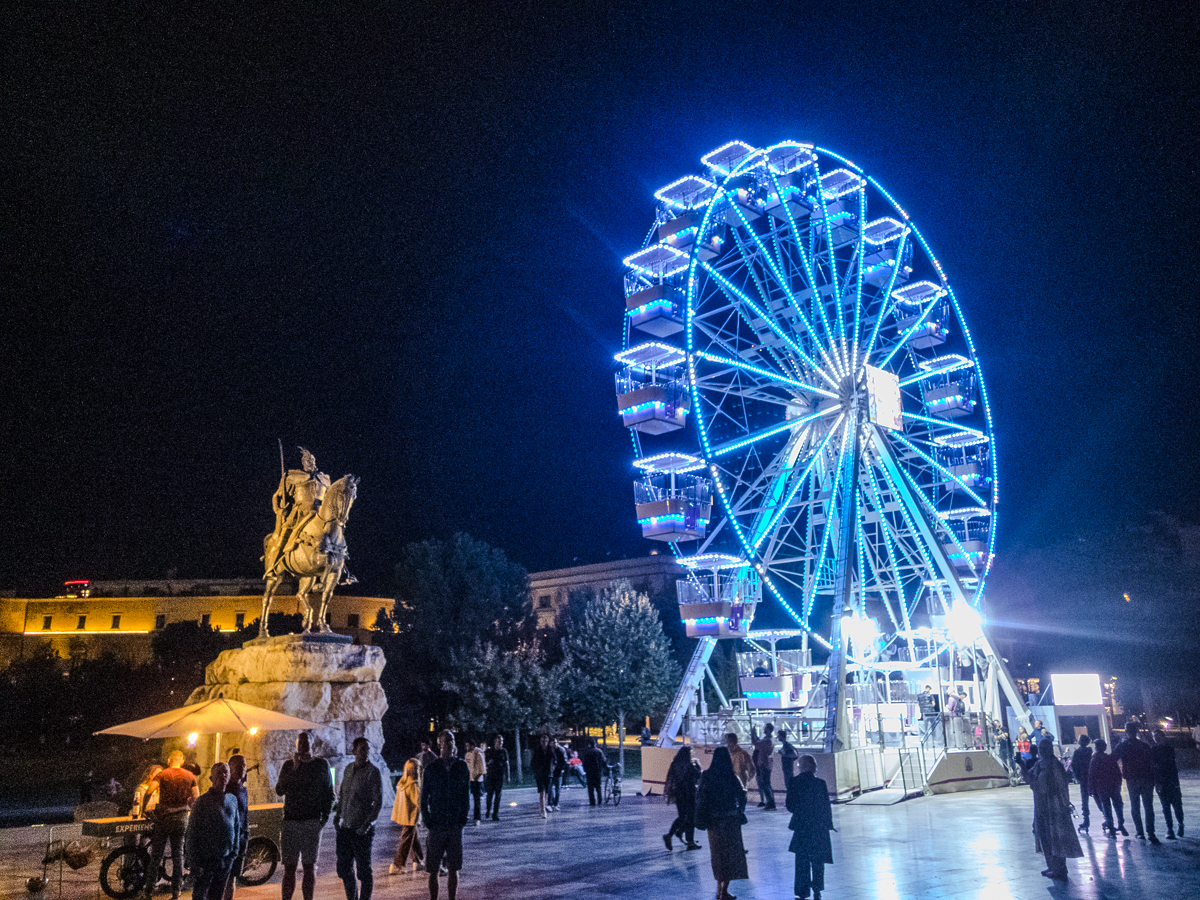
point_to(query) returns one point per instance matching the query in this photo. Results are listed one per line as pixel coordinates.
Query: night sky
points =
(393, 234)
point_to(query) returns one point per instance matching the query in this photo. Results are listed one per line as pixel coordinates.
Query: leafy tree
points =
(449, 595)
(617, 663)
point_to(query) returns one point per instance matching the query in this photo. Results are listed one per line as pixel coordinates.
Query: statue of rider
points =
(295, 502)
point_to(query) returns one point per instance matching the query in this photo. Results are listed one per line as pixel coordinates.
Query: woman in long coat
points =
(680, 789)
(1052, 828)
(812, 820)
(721, 811)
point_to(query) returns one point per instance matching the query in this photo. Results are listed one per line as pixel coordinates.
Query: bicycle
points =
(612, 784)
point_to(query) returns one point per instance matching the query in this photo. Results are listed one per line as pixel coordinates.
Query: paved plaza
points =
(974, 845)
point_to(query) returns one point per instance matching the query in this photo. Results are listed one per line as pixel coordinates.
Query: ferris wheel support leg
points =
(947, 572)
(692, 679)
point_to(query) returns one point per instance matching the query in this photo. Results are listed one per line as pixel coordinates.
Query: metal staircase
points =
(687, 690)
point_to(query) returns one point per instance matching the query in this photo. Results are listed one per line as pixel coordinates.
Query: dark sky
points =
(393, 234)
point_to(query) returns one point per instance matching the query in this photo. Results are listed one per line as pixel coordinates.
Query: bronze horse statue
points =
(317, 556)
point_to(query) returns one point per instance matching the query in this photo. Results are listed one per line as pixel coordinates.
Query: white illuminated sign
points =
(883, 394)
(1076, 690)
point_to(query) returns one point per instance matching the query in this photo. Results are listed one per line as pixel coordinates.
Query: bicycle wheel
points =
(258, 865)
(123, 872)
(616, 793)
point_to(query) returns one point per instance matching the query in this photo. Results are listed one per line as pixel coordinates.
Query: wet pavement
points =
(972, 845)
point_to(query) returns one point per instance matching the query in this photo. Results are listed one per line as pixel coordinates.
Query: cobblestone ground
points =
(975, 845)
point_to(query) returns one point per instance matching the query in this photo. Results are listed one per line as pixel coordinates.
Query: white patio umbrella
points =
(210, 717)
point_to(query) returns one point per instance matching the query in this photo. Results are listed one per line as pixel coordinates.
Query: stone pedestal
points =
(321, 678)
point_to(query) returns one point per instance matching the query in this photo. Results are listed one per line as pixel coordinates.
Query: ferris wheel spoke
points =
(886, 304)
(763, 373)
(888, 562)
(734, 295)
(797, 484)
(941, 469)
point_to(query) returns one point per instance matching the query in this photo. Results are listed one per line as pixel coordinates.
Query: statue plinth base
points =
(323, 678)
(311, 638)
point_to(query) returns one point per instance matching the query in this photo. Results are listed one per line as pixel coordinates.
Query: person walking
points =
(496, 760)
(954, 720)
(307, 793)
(764, 750)
(931, 709)
(594, 765)
(1081, 763)
(177, 790)
(788, 755)
(1054, 835)
(1137, 765)
(743, 764)
(1166, 783)
(445, 805)
(360, 797)
(542, 764)
(477, 766)
(212, 837)
(236, 788)
(721, 811)
(558, 773)
(1104, 780)
(812, 820)
(405, 812)
(682, 778)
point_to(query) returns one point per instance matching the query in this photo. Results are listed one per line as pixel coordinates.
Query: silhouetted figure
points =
(1137, 765)
(445, 807)
(721, 811)
(1081, 761)
(1166, 782)
(682, 779)
(594, 765)
(1104, 780)
(812, 820)
(1052, 828)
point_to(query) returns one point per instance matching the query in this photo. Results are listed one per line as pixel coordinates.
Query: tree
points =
(449, 594)
(617, 663)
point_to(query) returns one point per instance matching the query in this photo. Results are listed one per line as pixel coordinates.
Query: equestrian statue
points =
(308, 540)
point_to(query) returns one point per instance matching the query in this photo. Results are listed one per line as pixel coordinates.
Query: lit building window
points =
(239, 620)
(81, 624)
(46, 620)
(206, 619)
(116, 622)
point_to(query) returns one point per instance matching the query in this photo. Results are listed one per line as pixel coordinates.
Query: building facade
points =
(551, 589)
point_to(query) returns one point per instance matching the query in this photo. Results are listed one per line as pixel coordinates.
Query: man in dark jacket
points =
(1104, 779)
(1137, 766)
(307, 791)
(1081, 761)
(812, 820)
(931, 712)
(212, 837)
(445, 807)
(594, 764)
(1166, 782)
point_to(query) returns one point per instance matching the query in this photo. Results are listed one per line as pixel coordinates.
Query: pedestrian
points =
(575, 768)
(1081, 763)
(212, 837)
(594, 765)
(788, 755)
(177, 791)
(1024, 747)
(1039, 733)
(144, 800)
(1104, 780)
(542, 764)
(682, 778)
(496, 760)
(721, 811)
(1003, 743)
(743, 765)
(307, 793)
(812, 820)
(405, 812)
(558, 773)
(764, 750)
(931, 708)
(1054, 836)
(360, 796)
(445, 805)
(1166, 783)
(236, 788)
(1137, 765)
(477, 766)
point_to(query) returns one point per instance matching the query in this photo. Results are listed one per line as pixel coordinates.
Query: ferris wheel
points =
(806, 403)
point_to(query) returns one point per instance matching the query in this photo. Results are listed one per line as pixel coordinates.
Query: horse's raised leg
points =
(304, 601)
(268, 596)
(328, 583)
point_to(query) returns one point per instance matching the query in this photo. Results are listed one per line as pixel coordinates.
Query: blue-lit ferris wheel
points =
(805, 401)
